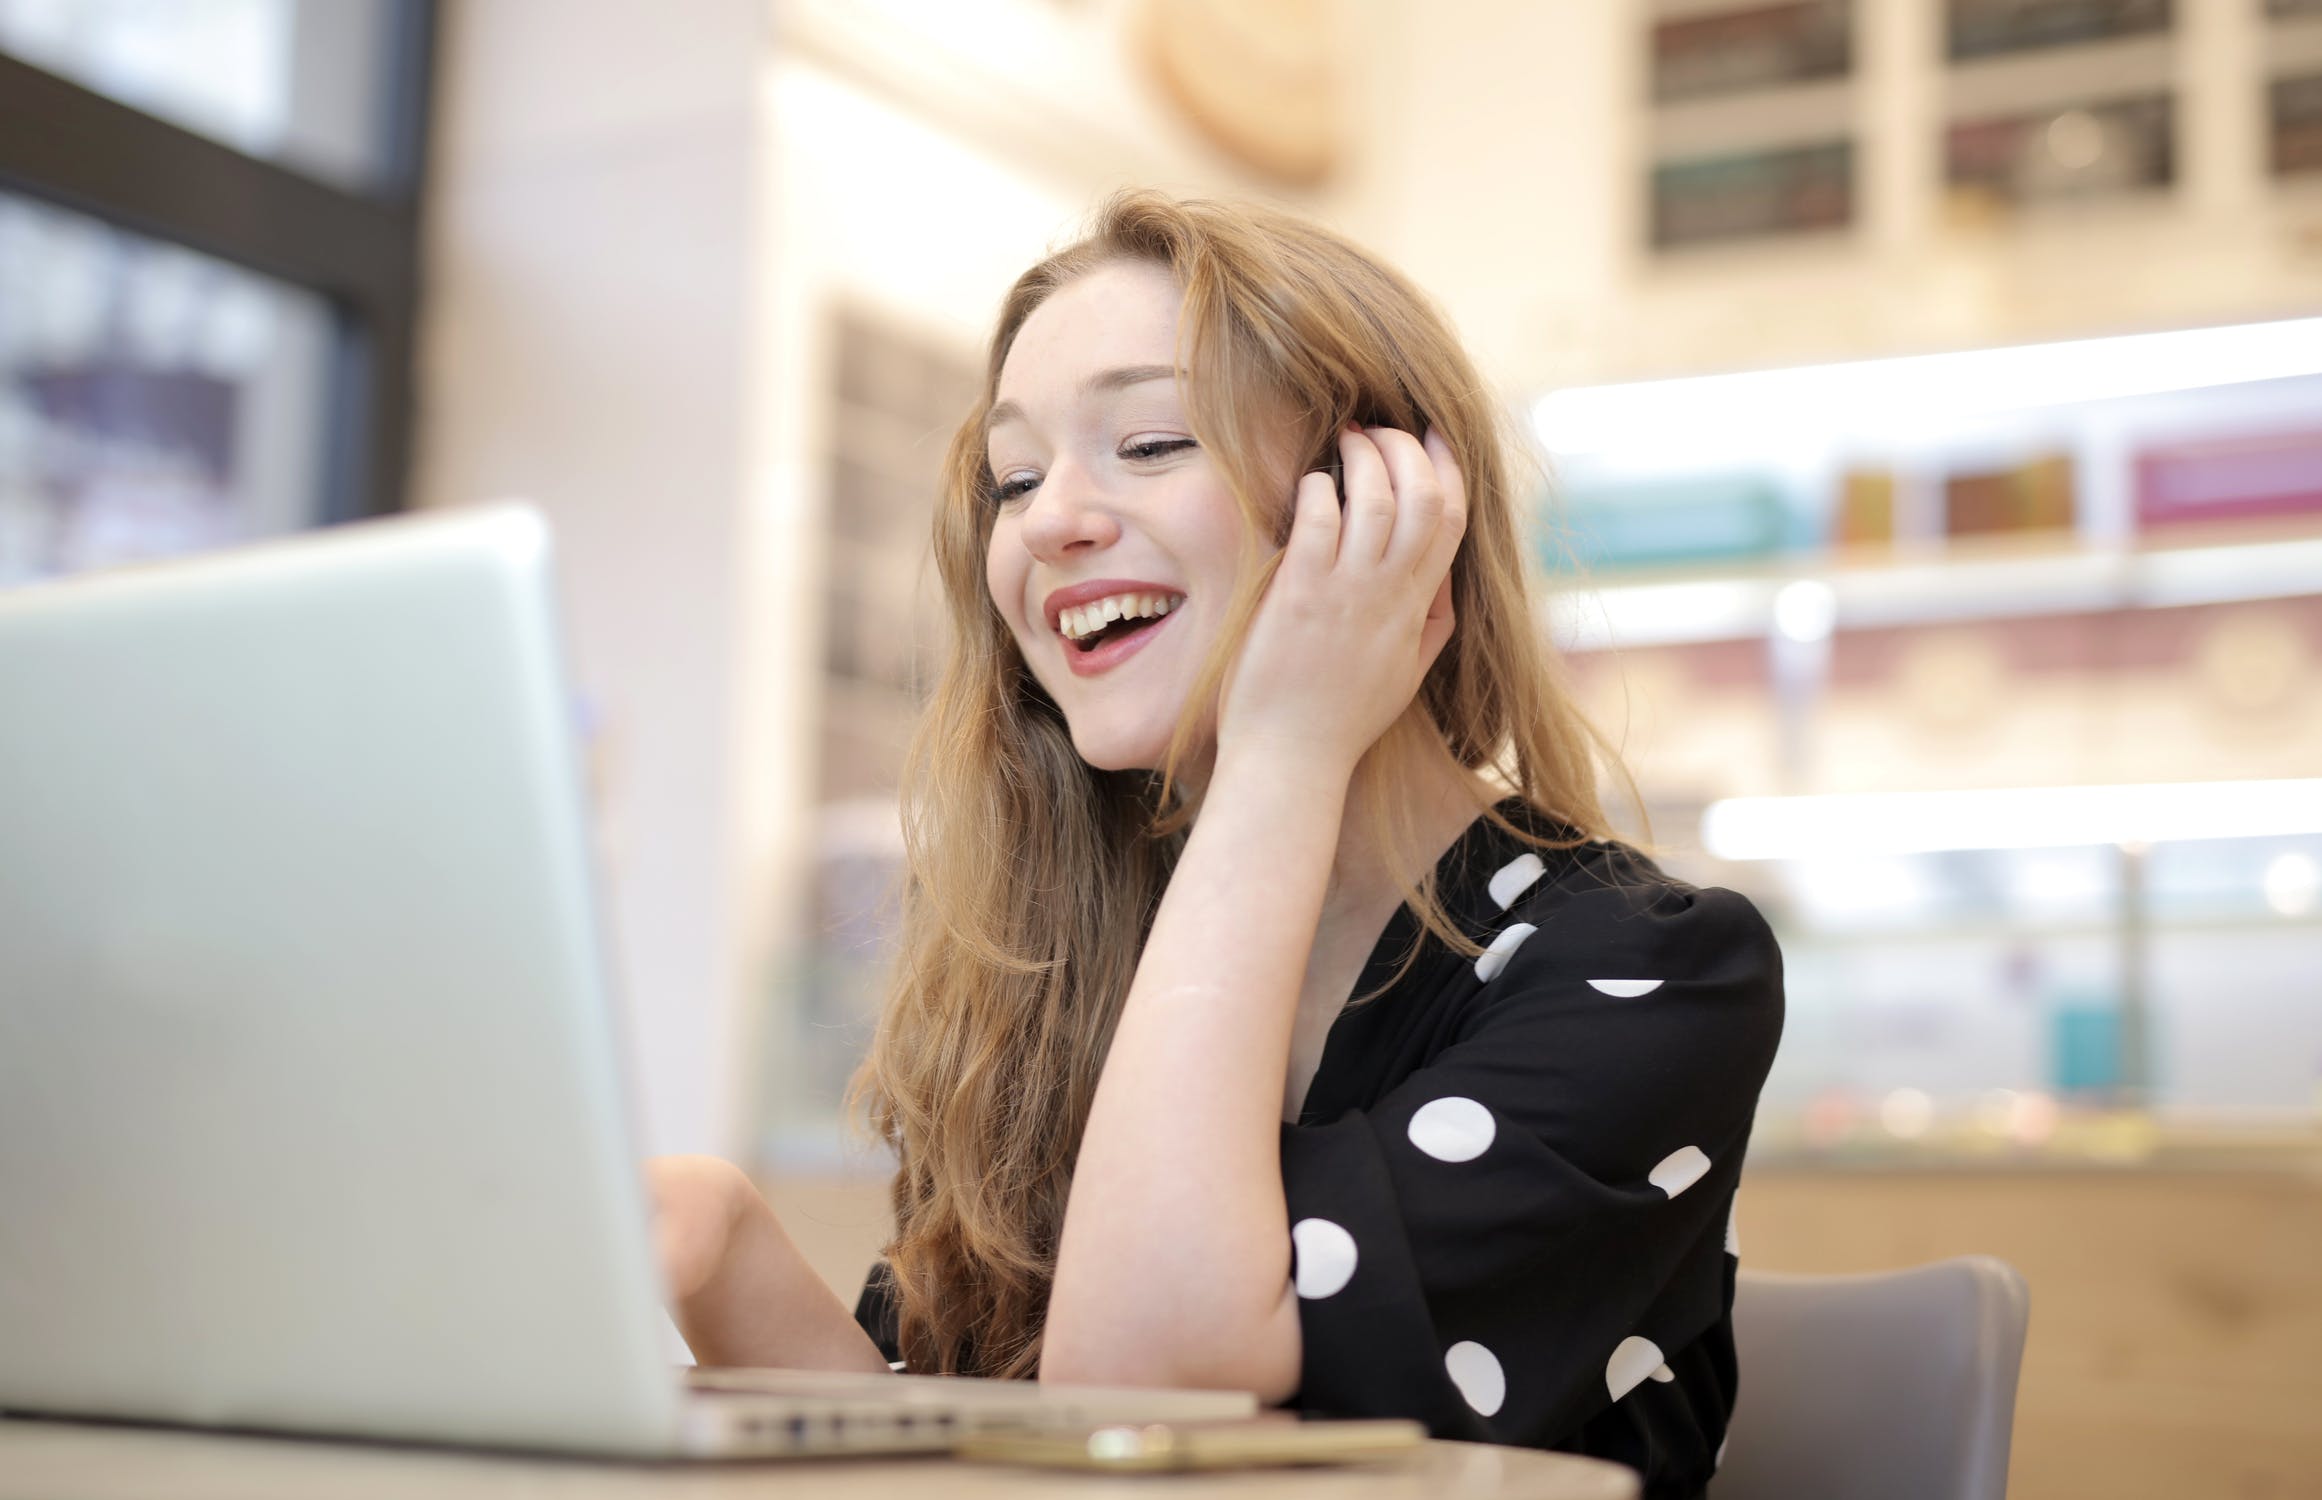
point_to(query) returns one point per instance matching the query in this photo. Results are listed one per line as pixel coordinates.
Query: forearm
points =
(1175, 1258)
(764, 1305)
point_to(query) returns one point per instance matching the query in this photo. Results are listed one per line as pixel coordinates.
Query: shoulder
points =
(1603, 920)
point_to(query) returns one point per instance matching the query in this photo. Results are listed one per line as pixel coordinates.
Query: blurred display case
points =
(2013, 660)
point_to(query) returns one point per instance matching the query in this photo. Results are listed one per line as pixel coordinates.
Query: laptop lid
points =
(310, 1106)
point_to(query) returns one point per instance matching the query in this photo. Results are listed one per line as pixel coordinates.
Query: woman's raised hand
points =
(1359, 607)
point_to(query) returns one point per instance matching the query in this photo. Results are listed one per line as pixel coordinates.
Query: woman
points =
(1246, 713)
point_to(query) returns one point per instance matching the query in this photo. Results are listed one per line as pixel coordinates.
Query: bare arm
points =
(739, 1290)
(1174, 1264)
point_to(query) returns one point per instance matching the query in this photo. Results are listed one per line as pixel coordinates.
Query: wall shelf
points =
(1996, 581)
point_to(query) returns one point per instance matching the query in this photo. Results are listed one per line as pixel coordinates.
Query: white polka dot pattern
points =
(1326, 1257)
(1477, 1373)
(1515, 877)
(1662, 1374)
(1625, 989)
(1630, 1364)
(1452, 1129)
(1679, 1170)
(1495, 958)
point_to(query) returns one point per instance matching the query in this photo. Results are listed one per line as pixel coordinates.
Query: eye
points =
(1016, 487)
(1147, 450)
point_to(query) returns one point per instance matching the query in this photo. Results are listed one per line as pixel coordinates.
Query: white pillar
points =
(2220, 109)
(585, 345)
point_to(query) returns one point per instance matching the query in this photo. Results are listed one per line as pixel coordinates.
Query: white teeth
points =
(1087, 619)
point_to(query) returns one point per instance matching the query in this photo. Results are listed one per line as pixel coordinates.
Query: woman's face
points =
(1116, 542)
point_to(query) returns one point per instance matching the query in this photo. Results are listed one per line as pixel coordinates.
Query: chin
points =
(1106, 753)
(1139, 747)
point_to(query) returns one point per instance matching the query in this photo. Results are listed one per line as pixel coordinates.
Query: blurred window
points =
(295, 81)
(208, 250)
(153, 400)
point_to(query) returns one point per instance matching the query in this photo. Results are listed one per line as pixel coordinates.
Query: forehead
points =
(1124, 313)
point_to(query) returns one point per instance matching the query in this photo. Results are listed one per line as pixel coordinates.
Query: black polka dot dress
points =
(1511, 1186)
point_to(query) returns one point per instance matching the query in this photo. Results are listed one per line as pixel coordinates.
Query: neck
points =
(1436, 801)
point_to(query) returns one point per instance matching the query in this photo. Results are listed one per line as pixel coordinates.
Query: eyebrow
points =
(1119, 378)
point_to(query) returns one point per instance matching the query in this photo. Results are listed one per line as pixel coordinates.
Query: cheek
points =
(1006, 567)
(1003, 578)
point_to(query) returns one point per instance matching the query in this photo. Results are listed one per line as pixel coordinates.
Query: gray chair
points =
(1894, 1386)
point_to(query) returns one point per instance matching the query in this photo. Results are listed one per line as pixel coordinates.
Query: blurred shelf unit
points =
(894, 398)
(2293, 82)
(2092, 119)
(2132, 472)
(1691, 607)
(1764, 121)
(1751, 127)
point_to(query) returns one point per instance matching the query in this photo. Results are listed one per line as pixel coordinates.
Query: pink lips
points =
(1113, 652)
(1121, 647)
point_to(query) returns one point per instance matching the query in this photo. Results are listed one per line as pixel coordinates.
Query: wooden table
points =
(92, 1461)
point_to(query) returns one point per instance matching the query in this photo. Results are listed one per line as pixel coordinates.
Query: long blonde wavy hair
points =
(1032, 878)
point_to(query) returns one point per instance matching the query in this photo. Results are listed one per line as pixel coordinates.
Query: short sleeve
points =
(875, 1312)
(1525, 1231)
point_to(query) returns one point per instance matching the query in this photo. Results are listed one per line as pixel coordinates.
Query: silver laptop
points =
(311, 1107)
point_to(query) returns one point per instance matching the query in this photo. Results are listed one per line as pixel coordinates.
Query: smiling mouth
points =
(1102, 644)
(1118, 630)
(1091, 628)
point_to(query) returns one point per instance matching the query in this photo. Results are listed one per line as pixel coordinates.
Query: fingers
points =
(1371, 499)
(1418, 494)
(1314, 524)
(1405, 502)
(1436, 550)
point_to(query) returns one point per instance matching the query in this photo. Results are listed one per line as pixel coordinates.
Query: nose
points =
(1067, 516)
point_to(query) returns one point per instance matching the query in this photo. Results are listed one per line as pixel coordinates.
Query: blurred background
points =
(1930, 399)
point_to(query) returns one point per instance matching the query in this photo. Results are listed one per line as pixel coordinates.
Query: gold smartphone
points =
(1178, 1446)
